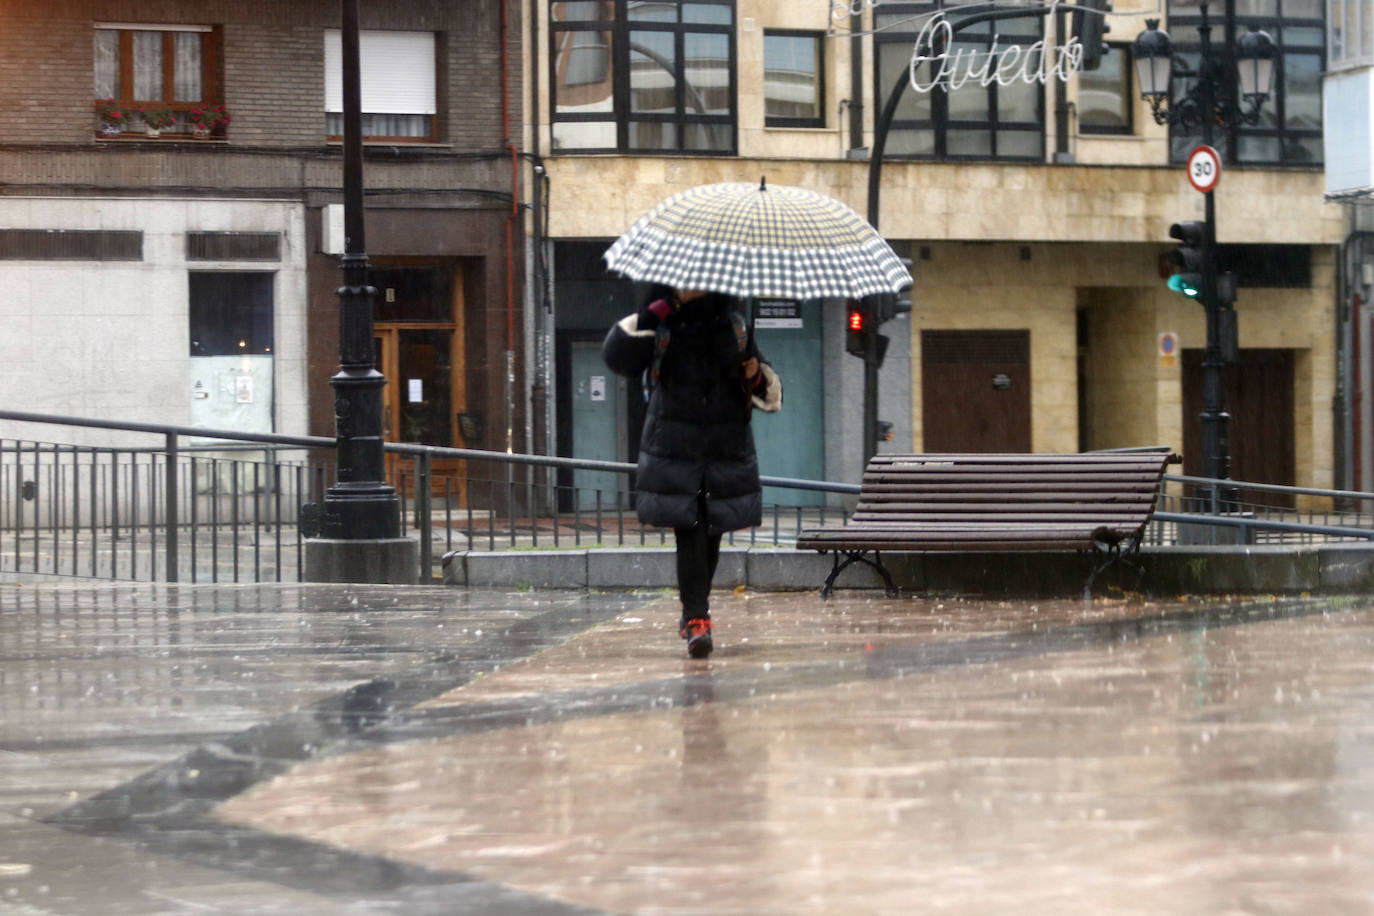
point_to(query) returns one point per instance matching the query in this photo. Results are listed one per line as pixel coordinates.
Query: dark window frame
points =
(1011, 29)
(211, 66)
(1121, 52)
(818, 39)
(1183, 33)
(620, 26)
(228, 306)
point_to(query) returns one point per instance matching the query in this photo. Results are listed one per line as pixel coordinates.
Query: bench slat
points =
(1018, 479)
(1016, 509)
(1016, 458)
(992, 478)
(915, 533)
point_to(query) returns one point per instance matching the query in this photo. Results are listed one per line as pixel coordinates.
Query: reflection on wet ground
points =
(424, 750)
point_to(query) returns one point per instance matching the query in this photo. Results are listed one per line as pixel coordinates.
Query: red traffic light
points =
(856, 320)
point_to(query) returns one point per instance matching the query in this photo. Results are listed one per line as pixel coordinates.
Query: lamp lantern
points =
(1154, 63)
(1255, 53)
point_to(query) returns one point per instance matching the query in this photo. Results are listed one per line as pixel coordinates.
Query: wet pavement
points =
(372, 749)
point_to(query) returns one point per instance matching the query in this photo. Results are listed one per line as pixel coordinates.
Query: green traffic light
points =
(1187, 284)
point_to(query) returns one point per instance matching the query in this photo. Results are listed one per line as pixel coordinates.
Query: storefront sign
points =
(778, 313)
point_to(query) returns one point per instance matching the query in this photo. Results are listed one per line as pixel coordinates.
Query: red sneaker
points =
(697, 632)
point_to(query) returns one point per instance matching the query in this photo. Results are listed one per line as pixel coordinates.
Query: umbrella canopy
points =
(756, 241)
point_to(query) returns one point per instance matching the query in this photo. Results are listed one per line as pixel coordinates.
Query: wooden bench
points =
(1094, 501)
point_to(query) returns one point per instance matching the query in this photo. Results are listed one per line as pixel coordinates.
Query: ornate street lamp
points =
(1226, 91)
(354, 535)
(1234, 98)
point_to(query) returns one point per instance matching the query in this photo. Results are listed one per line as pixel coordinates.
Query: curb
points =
(1316, 569)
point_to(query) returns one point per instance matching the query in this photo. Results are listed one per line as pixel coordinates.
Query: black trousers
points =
(698, 552)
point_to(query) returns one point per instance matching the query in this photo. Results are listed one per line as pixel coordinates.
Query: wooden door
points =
(419, 349)
(1259, 398)
(975, 391)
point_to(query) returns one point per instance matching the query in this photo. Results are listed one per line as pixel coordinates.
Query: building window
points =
(973, 121)
(1290, 126)
(793, 78)
(643, 75)
(230, 313)
(1105, 102)
(1351, 37)
(142, 66)
(397, 75)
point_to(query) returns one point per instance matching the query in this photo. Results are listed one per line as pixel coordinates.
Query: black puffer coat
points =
(697, 435)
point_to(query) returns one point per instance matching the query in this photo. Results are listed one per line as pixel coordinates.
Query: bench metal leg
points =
(852, 556)
(1115, 553)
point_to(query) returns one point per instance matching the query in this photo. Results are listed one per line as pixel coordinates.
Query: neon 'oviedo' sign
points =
(985, 66)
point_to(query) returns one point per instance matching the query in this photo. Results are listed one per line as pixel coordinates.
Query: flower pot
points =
(152, 132)
(201, 132)
(110, 130)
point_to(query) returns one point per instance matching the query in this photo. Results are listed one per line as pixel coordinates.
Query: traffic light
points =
(854, 330)
(1089, 25)
(1188, 258)
(861, 326)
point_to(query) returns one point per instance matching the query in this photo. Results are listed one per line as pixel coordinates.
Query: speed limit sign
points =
(1204, 168)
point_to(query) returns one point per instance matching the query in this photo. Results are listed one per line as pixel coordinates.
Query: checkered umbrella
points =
(758, 241)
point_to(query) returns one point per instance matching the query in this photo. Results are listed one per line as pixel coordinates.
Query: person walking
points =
(698, 472)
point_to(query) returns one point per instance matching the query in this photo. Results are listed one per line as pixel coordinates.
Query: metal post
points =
(882, 125)
(1216, 449)
(424, 512)
(361, 505)
(870, 390)
(171, 509)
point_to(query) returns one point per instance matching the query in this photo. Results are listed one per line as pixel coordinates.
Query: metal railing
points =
(1259, 514)
(210, 505)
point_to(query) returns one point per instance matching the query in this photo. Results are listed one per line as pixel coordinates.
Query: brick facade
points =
(273, 65)
(272, 75)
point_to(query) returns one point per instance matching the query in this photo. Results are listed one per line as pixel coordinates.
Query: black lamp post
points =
(361, 505)
(1226, 90)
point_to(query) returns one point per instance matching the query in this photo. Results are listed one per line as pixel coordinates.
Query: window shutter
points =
(396, 70)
